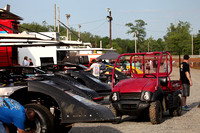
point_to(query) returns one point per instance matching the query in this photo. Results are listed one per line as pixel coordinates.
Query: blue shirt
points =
(12, 112)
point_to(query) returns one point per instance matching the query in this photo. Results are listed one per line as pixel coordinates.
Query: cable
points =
(4, 26)
(70, 30)
(36, 32)
(156, 31)
(145, 29)
(89, 22)
(118, 24)
(98, 26)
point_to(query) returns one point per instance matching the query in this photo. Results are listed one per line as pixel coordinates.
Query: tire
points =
(44, 119)
(155, 112)
(116, 114)
(178, 110)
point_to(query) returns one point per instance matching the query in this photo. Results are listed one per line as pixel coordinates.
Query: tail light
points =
(98, 98)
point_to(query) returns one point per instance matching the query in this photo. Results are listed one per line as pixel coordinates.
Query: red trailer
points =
(8, 25)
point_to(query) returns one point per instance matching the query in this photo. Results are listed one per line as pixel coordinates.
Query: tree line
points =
(178, 38)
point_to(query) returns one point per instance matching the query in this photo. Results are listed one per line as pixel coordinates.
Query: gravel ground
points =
(189, 122)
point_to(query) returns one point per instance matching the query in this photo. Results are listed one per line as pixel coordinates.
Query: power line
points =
(119, 24)
(89, 22)
(156, 31)
(98, 26)
(145, 29)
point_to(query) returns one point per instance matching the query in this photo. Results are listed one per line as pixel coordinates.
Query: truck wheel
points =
(116, 114)
(178, 110)
(44, 119)
(155, 112)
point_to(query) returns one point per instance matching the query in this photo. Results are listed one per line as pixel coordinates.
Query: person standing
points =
(147, 67)
(186, 81)
(155, 64)
(95, 67)
(30, 62)
(102, 66)
(12, 112)
(25, 62)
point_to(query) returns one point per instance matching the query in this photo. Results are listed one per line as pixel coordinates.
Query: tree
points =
(35, 27)
(161, 44)
(197, 44)
(123, 46)
(178, 38)
(139, 29)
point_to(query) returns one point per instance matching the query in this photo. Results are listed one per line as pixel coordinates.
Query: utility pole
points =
(54, 17)
(68, 16)
(110, 19)
(58, 21)
(79, 32)
(148, 46)
(192, 41)
(135, 33)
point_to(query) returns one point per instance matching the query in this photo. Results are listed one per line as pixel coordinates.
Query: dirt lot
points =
(189, 122)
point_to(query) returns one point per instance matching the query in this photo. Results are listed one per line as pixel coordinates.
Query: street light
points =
(110, 19)
(68, 16)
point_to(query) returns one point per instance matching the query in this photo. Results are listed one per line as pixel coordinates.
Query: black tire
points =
(155, 112)
(44, 118)
(116, 114)
(178, 110)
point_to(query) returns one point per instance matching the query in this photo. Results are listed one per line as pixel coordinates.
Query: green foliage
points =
(139, 29)
(123, 46)
(178, 38)
(105, 42)
(196, 43)
(35, 27)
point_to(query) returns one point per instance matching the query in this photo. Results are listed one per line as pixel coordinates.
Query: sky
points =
(91, 14)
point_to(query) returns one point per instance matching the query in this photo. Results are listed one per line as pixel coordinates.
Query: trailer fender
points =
(74, 108)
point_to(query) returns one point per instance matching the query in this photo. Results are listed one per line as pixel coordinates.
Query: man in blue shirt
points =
(12, 112)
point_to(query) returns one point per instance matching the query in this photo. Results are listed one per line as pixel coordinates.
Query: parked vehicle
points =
(121, 72)
(76, 71)
(58, 100)
(91, 82)
(147, 94)
(57, 104)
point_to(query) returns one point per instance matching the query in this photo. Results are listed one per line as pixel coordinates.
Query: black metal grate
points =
(127, 96)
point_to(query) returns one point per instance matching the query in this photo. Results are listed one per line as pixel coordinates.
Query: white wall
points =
(35, 53)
